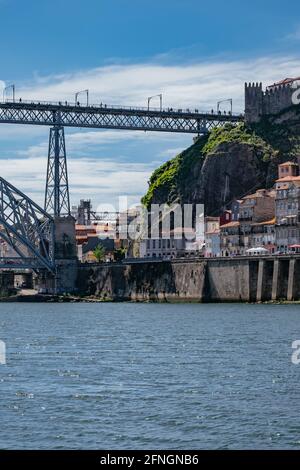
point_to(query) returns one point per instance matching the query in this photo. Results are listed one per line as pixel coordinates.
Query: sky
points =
(193, 52)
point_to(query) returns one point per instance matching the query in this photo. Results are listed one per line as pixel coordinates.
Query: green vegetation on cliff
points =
(163, 183)
(177, 178)
(236, 134)
(228, 163)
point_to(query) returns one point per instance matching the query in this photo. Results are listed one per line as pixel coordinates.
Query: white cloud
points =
(171, 152)
(107, 137)
(295, 35)
(198, 85)
(12, 132)
(103, 180)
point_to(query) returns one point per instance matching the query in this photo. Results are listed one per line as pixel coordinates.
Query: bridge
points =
(30, 230)
(113, 117)
(27, 229)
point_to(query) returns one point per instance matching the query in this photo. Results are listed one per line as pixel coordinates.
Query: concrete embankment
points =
(206, 280)
(255, 279)
(165, 281)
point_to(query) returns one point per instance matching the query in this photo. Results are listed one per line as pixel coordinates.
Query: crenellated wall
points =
(272, 101)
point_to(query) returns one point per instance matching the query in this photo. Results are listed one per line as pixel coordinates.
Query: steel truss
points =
(101, 117)
(27, 229)
(57, 200)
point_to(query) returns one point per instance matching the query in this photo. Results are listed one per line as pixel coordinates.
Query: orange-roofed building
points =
(284, 82)
(212, 236)
(230, 239)
(287, 206)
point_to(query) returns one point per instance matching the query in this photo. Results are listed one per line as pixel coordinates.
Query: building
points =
(165, 248)
(83, 232)
(252, 224)
(87, 249)
(287, 207)
(235, 209)
(225, 217)
(82, 213)
(230, 239)
(129, 231)
(89, 236)
(254, 209)
(273, 100)
(212, 236)
(233, 242)
(263, 234)
(257, 207)
(167, 234)
(178, 243)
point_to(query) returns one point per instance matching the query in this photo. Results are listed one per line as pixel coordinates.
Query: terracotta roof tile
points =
(231, 224)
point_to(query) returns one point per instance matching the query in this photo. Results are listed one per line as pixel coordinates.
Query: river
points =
(149, 376)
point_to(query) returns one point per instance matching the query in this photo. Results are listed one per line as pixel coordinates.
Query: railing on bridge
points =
(104, 106)
(102, 116)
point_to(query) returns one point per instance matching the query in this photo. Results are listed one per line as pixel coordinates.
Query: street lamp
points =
(13, 91)
(224, 101)
(155, 96)
(87, 96)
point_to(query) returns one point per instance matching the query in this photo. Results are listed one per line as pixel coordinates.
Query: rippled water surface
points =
(128, 376)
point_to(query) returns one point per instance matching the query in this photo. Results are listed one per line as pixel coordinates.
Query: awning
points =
(259, 249)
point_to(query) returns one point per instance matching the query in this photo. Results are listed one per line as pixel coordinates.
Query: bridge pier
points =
(275, 280)
(65, 254)
(260, 279)
(291, 280)
(57, 199)
(6, 283)
(66, 263)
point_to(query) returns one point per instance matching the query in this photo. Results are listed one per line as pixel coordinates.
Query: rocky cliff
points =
(227, 164)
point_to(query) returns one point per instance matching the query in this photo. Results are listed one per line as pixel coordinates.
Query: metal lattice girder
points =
(26, 227)
(57, 200)
(101, 117)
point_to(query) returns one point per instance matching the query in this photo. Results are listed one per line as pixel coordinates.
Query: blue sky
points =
(192, 51)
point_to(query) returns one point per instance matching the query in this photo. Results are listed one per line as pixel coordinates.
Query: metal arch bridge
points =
(27, 228)
(113, 117)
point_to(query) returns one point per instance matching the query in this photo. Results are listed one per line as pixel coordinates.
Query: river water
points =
(130, 376)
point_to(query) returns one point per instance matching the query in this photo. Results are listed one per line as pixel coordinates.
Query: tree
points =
(119, 254)
(99, 253)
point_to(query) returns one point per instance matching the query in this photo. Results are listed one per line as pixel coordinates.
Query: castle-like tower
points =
(272, 101)
(253, 102)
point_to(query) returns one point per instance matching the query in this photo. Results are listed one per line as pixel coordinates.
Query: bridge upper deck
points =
(104, 116)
